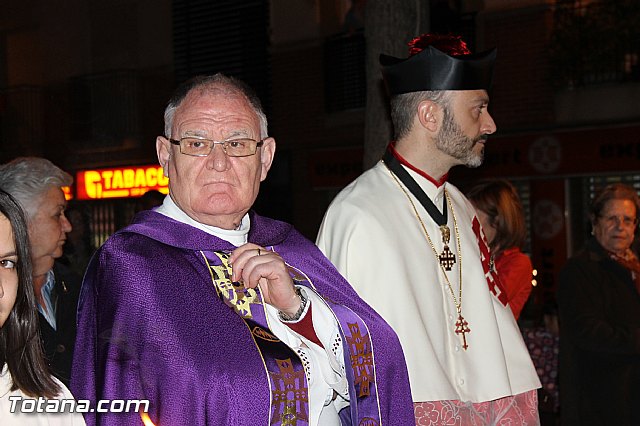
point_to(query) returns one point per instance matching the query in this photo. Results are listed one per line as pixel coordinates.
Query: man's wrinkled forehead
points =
(219, 100)
(213, 93)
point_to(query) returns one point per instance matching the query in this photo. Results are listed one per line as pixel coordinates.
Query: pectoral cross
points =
(462, 327)
(447, 258)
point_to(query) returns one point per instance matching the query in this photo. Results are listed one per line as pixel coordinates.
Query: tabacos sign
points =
(120, 182)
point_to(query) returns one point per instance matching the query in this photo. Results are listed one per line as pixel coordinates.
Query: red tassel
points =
(450, 44)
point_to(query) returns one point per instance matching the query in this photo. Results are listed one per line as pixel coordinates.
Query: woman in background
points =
(24, 374)
(599, 306)
(502, 218)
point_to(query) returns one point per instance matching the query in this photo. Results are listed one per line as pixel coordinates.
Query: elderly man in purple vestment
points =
(218, 316)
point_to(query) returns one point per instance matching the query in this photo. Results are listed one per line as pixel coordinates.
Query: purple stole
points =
(288, 382)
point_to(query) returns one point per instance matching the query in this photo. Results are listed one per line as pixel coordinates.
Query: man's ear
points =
(267, 153)
(429, 115)
(163, 150)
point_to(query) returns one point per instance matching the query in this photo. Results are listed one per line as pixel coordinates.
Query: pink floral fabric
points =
(518, 410)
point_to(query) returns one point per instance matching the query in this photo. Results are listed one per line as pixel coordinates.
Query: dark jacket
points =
(599, 310)
(58, 344)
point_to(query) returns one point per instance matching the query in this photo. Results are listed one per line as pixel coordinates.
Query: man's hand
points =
(253, 265)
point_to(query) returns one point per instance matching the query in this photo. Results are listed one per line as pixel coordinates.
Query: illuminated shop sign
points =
(120, 182)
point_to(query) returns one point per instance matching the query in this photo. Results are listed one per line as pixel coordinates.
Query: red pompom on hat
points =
(450, 44)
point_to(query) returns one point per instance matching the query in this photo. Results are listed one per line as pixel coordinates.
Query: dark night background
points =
(84, 83)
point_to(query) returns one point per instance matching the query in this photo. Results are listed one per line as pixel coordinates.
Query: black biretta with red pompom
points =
(438, 62)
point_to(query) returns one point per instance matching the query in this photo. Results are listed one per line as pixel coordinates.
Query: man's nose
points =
(218, 159)
(489, 126)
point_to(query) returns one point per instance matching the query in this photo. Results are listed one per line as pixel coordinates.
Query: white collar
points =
(237, 237)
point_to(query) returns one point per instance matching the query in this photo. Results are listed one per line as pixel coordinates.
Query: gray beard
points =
(452, 141)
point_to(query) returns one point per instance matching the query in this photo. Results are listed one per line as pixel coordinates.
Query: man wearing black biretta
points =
(411, 244)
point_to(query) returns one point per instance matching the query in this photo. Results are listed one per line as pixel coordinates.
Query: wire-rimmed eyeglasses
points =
(201, 147)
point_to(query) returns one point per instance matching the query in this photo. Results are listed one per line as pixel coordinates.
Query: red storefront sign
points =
(120, 182)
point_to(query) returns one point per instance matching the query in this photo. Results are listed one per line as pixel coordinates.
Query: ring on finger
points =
(259, 252)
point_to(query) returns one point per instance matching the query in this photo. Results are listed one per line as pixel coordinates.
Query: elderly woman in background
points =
(599, 306)
(502, 218)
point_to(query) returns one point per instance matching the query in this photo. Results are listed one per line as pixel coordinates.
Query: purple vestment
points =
(152, 326)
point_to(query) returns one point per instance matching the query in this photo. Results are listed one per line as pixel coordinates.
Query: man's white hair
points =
(206, 83)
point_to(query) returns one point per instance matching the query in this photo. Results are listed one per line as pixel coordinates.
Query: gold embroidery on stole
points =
(233, 294)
